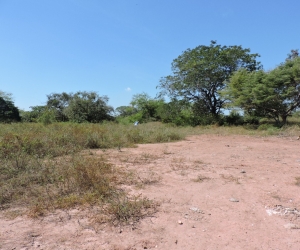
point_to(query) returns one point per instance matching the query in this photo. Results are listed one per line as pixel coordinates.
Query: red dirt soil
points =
(215, 192)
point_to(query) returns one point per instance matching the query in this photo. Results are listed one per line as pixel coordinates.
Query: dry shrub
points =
(130, 210)
(201, 178)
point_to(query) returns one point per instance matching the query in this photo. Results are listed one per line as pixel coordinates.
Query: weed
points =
(13, 213)
(150, 179)
(178, 164)
(230, 178)
(129, 210)
(201, 178)
(199, 162)
(297, 181)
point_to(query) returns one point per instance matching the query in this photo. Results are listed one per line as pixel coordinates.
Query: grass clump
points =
(201, 178)
(41, 167)
(126, 210)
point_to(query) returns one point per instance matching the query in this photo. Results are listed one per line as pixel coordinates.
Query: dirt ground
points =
(215, 192)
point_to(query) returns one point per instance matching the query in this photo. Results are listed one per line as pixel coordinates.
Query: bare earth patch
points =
(214, 192)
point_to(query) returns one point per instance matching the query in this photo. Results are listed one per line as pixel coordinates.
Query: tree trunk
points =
(284, 118)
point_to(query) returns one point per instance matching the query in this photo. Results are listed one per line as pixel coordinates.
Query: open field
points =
(221, 188)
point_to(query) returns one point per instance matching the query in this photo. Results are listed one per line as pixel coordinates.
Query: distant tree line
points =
(205, 81)
(79, 107)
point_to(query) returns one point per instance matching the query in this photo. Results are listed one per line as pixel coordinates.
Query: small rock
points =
(233, 200)
(195, 209)
(180, 222)
(243, 172)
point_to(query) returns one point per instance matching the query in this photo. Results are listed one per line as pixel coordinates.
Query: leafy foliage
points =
(124, 111)
(59, 102)
(88, 107)
(200, 73)
(33, 115)
(8, 111)
(274, 94)
(143, 109)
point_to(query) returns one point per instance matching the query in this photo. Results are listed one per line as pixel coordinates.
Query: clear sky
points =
(123, 47)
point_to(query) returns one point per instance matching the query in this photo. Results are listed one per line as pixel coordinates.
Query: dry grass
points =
(42, 167)
(230, 178)
(178, 164)
(201, 178)
(125, 210)
(148, 178)
(297, 181)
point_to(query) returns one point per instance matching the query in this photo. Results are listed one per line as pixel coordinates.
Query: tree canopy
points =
(80, 107)
(8, 111)
(274, 94)
(200, 73)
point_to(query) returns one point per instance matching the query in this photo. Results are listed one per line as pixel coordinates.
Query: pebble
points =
(243, 172)
(180, 222)
(233, 200)
(195, 209)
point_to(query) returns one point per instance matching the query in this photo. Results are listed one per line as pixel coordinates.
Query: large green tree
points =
(82, 106)
(146, 106)
(8, 111)
(274, 94)
(59, 102)
(200, 73)
(88, 107)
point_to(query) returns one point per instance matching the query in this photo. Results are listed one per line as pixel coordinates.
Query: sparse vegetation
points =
(43, 167)
(230, 178)
(52, 166)
(201, 178)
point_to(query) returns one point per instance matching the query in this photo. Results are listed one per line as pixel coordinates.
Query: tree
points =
(8, 111)
(82, 106)
(33, 115)
(88, 107)
(178, 112)
(124, 111)
(274, 94)
(200, 73)
(6, 96)
(146, 106)
(58, 103)
(293, 54)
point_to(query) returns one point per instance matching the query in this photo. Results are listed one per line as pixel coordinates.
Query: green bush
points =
(234, 118)
(251, 120)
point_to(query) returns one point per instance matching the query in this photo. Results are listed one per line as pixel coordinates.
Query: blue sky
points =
(123, 47)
